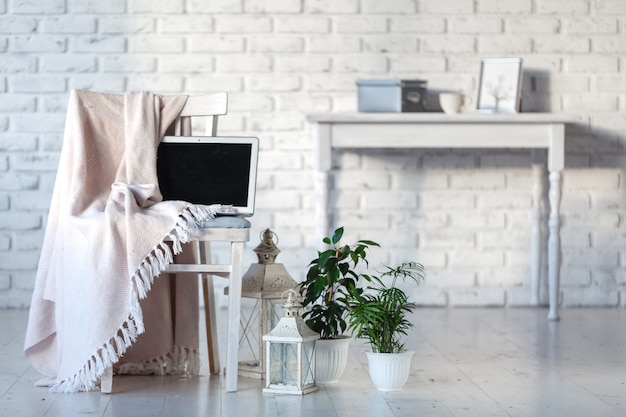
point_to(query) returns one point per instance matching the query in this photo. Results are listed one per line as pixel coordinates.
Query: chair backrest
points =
(210, 106)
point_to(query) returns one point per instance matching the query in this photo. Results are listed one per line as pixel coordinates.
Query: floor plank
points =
(467, 362)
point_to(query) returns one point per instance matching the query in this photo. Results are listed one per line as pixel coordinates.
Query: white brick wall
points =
(464, 214)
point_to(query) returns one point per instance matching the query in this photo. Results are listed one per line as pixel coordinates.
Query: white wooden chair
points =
(233, 230)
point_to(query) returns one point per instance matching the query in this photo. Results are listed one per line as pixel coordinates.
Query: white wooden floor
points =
(468, 362)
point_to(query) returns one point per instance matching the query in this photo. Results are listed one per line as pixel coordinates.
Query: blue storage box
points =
(391, 95)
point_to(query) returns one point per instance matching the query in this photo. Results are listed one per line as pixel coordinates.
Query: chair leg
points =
(210, 322)
(106, 381)
(204, 256)
(234, 315)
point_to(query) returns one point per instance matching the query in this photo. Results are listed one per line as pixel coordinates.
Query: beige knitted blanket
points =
(106, 240)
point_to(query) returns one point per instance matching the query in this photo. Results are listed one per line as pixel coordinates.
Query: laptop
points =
(210, 170)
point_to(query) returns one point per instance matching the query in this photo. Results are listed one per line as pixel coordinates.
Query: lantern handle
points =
(288, 292)
(292, 303)
(273, 235)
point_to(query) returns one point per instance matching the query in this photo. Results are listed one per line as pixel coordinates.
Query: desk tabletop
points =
(443, 118)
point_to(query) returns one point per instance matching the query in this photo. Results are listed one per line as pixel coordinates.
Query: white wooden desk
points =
(535, 131)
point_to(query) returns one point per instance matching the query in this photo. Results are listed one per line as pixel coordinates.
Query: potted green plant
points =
(379, 315)
(325, 290)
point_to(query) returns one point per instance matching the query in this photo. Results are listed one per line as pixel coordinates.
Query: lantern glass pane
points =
(250, 334)
(284, 364)
(308, 362)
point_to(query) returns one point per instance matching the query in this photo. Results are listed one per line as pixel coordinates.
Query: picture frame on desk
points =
(500, 86)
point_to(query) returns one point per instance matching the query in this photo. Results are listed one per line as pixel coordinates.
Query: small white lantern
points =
(290, 352)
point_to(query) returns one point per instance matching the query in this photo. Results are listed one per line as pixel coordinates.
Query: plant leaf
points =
(322, 261)
(337, 235)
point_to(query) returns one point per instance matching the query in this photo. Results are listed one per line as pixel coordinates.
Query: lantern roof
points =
(267, 251)
(266, 279)
(291, 328)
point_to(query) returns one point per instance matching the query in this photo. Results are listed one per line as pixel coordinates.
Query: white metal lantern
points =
(262, 287)
(290, 352)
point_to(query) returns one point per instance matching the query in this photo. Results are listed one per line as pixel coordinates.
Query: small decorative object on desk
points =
(500, 85)
(290, 352)
(391, 96)
(451, 102)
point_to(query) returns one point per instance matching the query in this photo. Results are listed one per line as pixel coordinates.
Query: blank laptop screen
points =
(209, 170)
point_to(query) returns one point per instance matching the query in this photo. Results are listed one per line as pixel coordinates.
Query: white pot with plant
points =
(324, 297)
(378, 314)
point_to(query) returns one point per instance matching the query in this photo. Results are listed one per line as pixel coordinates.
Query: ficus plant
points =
(379, 313)
(329, 281)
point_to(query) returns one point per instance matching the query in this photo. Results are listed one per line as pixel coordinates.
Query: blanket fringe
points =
(182, 360)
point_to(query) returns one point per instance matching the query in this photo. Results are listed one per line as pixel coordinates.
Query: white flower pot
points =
(331, 356)
(389, 371)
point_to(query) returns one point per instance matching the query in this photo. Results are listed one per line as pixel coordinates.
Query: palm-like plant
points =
(328, 282)
(380, 315)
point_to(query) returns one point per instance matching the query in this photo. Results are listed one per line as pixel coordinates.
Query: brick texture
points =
(465, 214)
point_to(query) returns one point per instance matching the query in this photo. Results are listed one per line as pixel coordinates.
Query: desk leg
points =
(538, 168)
(322, 200)
(554, 243)
(323, 157)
